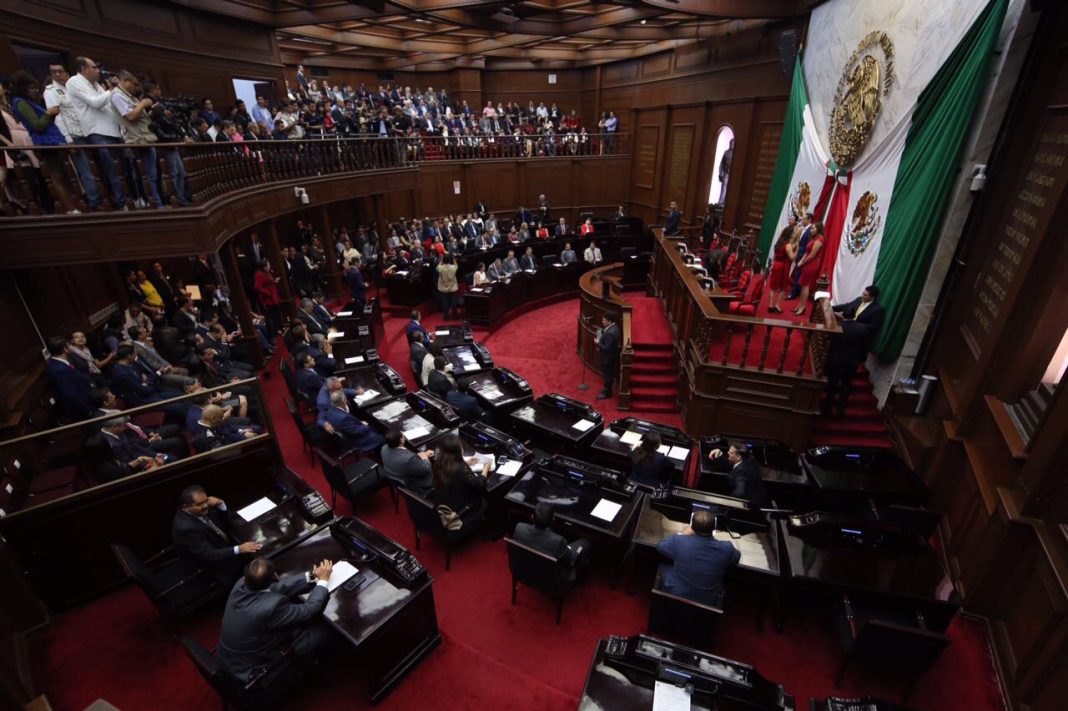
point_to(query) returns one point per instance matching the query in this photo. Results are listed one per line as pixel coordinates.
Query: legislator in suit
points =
(696, 562)
(860, 320)
(355, 433)
(265, 617)
(539, 536)
(745, 480)
(203, 538)
(71, 385)
(402, 465)
(608, 352)
(671, 226)
(309, 381)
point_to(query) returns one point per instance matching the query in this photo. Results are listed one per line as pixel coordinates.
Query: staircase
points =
(654, 378)
(862, 425)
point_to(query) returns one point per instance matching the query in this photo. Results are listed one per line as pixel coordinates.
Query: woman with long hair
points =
(456, 485)
(649, 466)
(782, 255)
(810, 267)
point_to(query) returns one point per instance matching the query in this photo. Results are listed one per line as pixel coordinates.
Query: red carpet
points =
(494, 656)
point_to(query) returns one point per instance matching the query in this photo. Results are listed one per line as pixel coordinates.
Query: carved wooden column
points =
(242, 307)
(332, 274)
(278, 265)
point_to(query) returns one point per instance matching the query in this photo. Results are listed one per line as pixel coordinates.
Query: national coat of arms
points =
(864, 224)
(865, 82)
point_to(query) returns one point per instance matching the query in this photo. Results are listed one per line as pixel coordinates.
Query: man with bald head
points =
(211, 433)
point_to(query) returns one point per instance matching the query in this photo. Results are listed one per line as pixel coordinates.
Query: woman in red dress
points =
(587, 228)
(810, 266)
(781, 257)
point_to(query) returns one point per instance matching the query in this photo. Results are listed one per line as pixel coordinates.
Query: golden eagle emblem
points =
(857, 102)
(864, 224)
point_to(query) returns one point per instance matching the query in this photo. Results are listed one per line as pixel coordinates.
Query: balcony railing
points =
(59, 179)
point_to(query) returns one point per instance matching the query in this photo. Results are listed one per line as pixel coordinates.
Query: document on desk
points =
(416, 433)
(491, 393)
(343, 570)
(401, 273)
(335, 334)
(477, 460)
(477, 290)
(668, 697)
(256, 509)
(631, 437)
(442, 332)
(353, 359)
(510, 468)
(367, 395)
(606, 510)
(471, 366)
(344, 313)
(582, 425)
(679, 453)
(663, 449)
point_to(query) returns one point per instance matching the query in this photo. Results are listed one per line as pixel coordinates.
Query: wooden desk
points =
(406, 413)
(467, 359)
(391, 623)
(780, 469)
(849, 474)
(549, 424)
(500, 392)
(488, 304)
(608, 448)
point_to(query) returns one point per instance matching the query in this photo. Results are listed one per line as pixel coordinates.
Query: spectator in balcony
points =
(228, 133)
(168, 131)
(611, 125)
(261, 114)
(170, 376)
(203, 131)
(207, 111)
(83, 359)
(135, 125)
(55, 95)
(91, 103)
(290, 118)
(39, 123)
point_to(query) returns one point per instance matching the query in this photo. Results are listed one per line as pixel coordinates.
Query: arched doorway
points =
(721, 166)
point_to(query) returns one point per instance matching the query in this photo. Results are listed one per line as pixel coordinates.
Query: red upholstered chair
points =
(747, 306)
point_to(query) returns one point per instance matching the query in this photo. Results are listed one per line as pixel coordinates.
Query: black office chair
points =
(264, 690)
(394, 484)
(311, 434)
(886, 637)
(167, 586)
(425, 519)
(354, 480)
(540, 571)
(288, 375)
(679, 619)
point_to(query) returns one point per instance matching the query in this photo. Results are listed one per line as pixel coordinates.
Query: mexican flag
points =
(883, 213)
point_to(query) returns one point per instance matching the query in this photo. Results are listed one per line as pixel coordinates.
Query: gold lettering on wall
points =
(645, 174)
(763, 169)
(1028, 217)
(681, 150)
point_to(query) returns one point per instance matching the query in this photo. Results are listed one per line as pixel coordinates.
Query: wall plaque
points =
(681, 150)
(645, 156)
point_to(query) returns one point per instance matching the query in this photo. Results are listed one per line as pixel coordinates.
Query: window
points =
(721, 166)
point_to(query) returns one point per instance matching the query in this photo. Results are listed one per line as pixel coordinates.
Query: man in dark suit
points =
(266, 616)
(309, 381)
(439, 381)
(212, 430)
(203, 539)
(745, 481)
(140, 386)
(528, 262)
(410, 470)
(415, 327)
(353, 279)
(671, 226)
(522, 216)
(465, 404)
(541, 537)
(696, 561)
(131, 456)
(356, 434)
(185, 318)
(861, 320)
(71, 385)
(608, 352)
(311, 320)
(481, 210)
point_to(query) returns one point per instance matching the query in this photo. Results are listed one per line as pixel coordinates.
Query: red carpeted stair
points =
(861, 426)
(654, 378)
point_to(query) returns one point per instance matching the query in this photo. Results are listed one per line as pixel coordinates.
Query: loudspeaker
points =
(788, 52)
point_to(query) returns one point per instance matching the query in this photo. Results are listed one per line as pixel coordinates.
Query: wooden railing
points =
(756, 361)
(214, 169)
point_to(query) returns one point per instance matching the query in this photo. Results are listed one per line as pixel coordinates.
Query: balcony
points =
(232, 187)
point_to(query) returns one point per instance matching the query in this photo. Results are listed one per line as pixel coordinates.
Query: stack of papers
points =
(256, 509)
(510, 468)
(367, 395)
(606, 510)
(631, 437)
(491, 393)
(344, 313)
(353, 359)
(442, 332)
(416, 433)
(582, 425)
(335, 334)
(342, 571)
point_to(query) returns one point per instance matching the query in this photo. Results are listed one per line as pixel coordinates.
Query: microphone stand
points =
(583, 385)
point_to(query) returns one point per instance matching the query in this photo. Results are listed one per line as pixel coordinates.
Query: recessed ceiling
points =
(437, 34)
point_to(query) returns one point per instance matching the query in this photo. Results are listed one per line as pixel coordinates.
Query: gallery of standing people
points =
(533, 354)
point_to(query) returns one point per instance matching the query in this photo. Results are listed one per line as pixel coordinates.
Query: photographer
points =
(135, 126)
(169, 128)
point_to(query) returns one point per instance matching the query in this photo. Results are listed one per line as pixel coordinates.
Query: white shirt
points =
(55, 94)
(92, 106)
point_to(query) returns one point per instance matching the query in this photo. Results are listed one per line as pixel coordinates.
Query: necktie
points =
(863, 305)
(136, 430)
(211, 524)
